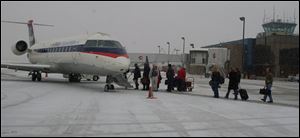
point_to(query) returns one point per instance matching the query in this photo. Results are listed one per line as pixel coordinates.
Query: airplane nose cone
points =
(123, 63)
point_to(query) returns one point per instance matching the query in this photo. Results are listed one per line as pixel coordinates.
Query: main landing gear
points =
(109, 86)
(74, 77)
(35, 75)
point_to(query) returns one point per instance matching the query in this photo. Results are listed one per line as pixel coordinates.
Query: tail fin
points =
(31, 33)
(30, 29)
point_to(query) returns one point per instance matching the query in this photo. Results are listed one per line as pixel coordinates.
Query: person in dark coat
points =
(170, 77)
(239, 75)
(233, 83)
(159, 79)
(137, 75)
(146, 80)
(215, 81)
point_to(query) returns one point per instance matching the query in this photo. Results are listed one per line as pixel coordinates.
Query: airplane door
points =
(74, 55)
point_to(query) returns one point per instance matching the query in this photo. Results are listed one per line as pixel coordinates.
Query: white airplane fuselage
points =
(79, 55)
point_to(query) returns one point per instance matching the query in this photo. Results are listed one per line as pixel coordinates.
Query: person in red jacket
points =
(181, 79)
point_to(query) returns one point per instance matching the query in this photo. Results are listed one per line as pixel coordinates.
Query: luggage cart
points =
(189, 83)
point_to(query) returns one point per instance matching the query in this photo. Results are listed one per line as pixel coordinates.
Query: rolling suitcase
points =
(243, 94)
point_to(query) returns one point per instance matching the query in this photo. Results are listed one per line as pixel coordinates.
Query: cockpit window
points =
(111, 44)
(91, 43)
(103, 43)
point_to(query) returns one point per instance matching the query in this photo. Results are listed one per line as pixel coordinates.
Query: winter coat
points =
(181, 74)
(137, 73)
(170, 74)
(215, 78)
(239, 76)
(269, 78)
(146, 70)
(233, 80)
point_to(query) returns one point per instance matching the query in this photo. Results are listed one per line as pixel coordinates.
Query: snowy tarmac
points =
(55, 107)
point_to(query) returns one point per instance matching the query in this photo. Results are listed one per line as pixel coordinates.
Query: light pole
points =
(183, 51)
(168, 50)
(158, 49)
(243, 19)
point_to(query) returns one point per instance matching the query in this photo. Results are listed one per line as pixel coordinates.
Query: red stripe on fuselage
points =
(108, 54)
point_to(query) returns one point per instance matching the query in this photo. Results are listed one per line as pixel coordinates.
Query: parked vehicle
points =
(293, 78)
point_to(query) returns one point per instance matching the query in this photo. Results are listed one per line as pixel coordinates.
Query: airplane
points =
(93, 54)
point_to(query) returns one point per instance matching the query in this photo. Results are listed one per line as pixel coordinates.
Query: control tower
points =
(277, 47)
(279, 27)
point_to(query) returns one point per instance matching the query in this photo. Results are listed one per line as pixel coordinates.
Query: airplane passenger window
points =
(100, 43)
(111, 44)
(91, 43)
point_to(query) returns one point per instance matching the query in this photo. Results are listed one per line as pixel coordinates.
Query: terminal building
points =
(277, 47)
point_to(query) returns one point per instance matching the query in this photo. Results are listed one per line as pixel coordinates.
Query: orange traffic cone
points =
(150, 94)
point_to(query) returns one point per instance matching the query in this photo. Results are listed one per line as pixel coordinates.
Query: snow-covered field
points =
(55, 107)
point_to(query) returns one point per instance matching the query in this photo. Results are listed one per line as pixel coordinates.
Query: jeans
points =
(269, 93)
(215, 88)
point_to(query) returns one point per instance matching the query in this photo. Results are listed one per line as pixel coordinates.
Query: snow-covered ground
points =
(55, 107)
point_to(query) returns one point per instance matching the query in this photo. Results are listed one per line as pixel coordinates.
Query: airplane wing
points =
(26, 66)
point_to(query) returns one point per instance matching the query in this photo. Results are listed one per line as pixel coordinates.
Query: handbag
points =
(263, 91)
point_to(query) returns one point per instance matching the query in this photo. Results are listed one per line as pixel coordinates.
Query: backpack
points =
(154, 73)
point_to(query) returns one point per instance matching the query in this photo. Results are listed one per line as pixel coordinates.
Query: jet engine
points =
(19, 48)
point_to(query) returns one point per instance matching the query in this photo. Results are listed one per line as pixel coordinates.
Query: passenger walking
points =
(239, 75)
(137, 75)
(215, 81)
(233, 83)
(159, 79)
(145, 79)
(153, 75)
(170, 77)
(268, 85)
(181, 79)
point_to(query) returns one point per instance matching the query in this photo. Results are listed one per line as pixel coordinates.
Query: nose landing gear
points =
(108, 85)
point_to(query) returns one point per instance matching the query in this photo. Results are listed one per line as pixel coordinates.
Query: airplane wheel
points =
(106, 88)
(95, 78)
(74, 77)
(33, 76)
(39, 76)
(112, 87)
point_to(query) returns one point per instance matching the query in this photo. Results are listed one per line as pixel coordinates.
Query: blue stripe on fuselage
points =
(81, 48)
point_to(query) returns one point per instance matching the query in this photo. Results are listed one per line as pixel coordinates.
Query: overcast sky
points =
(141, 26)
